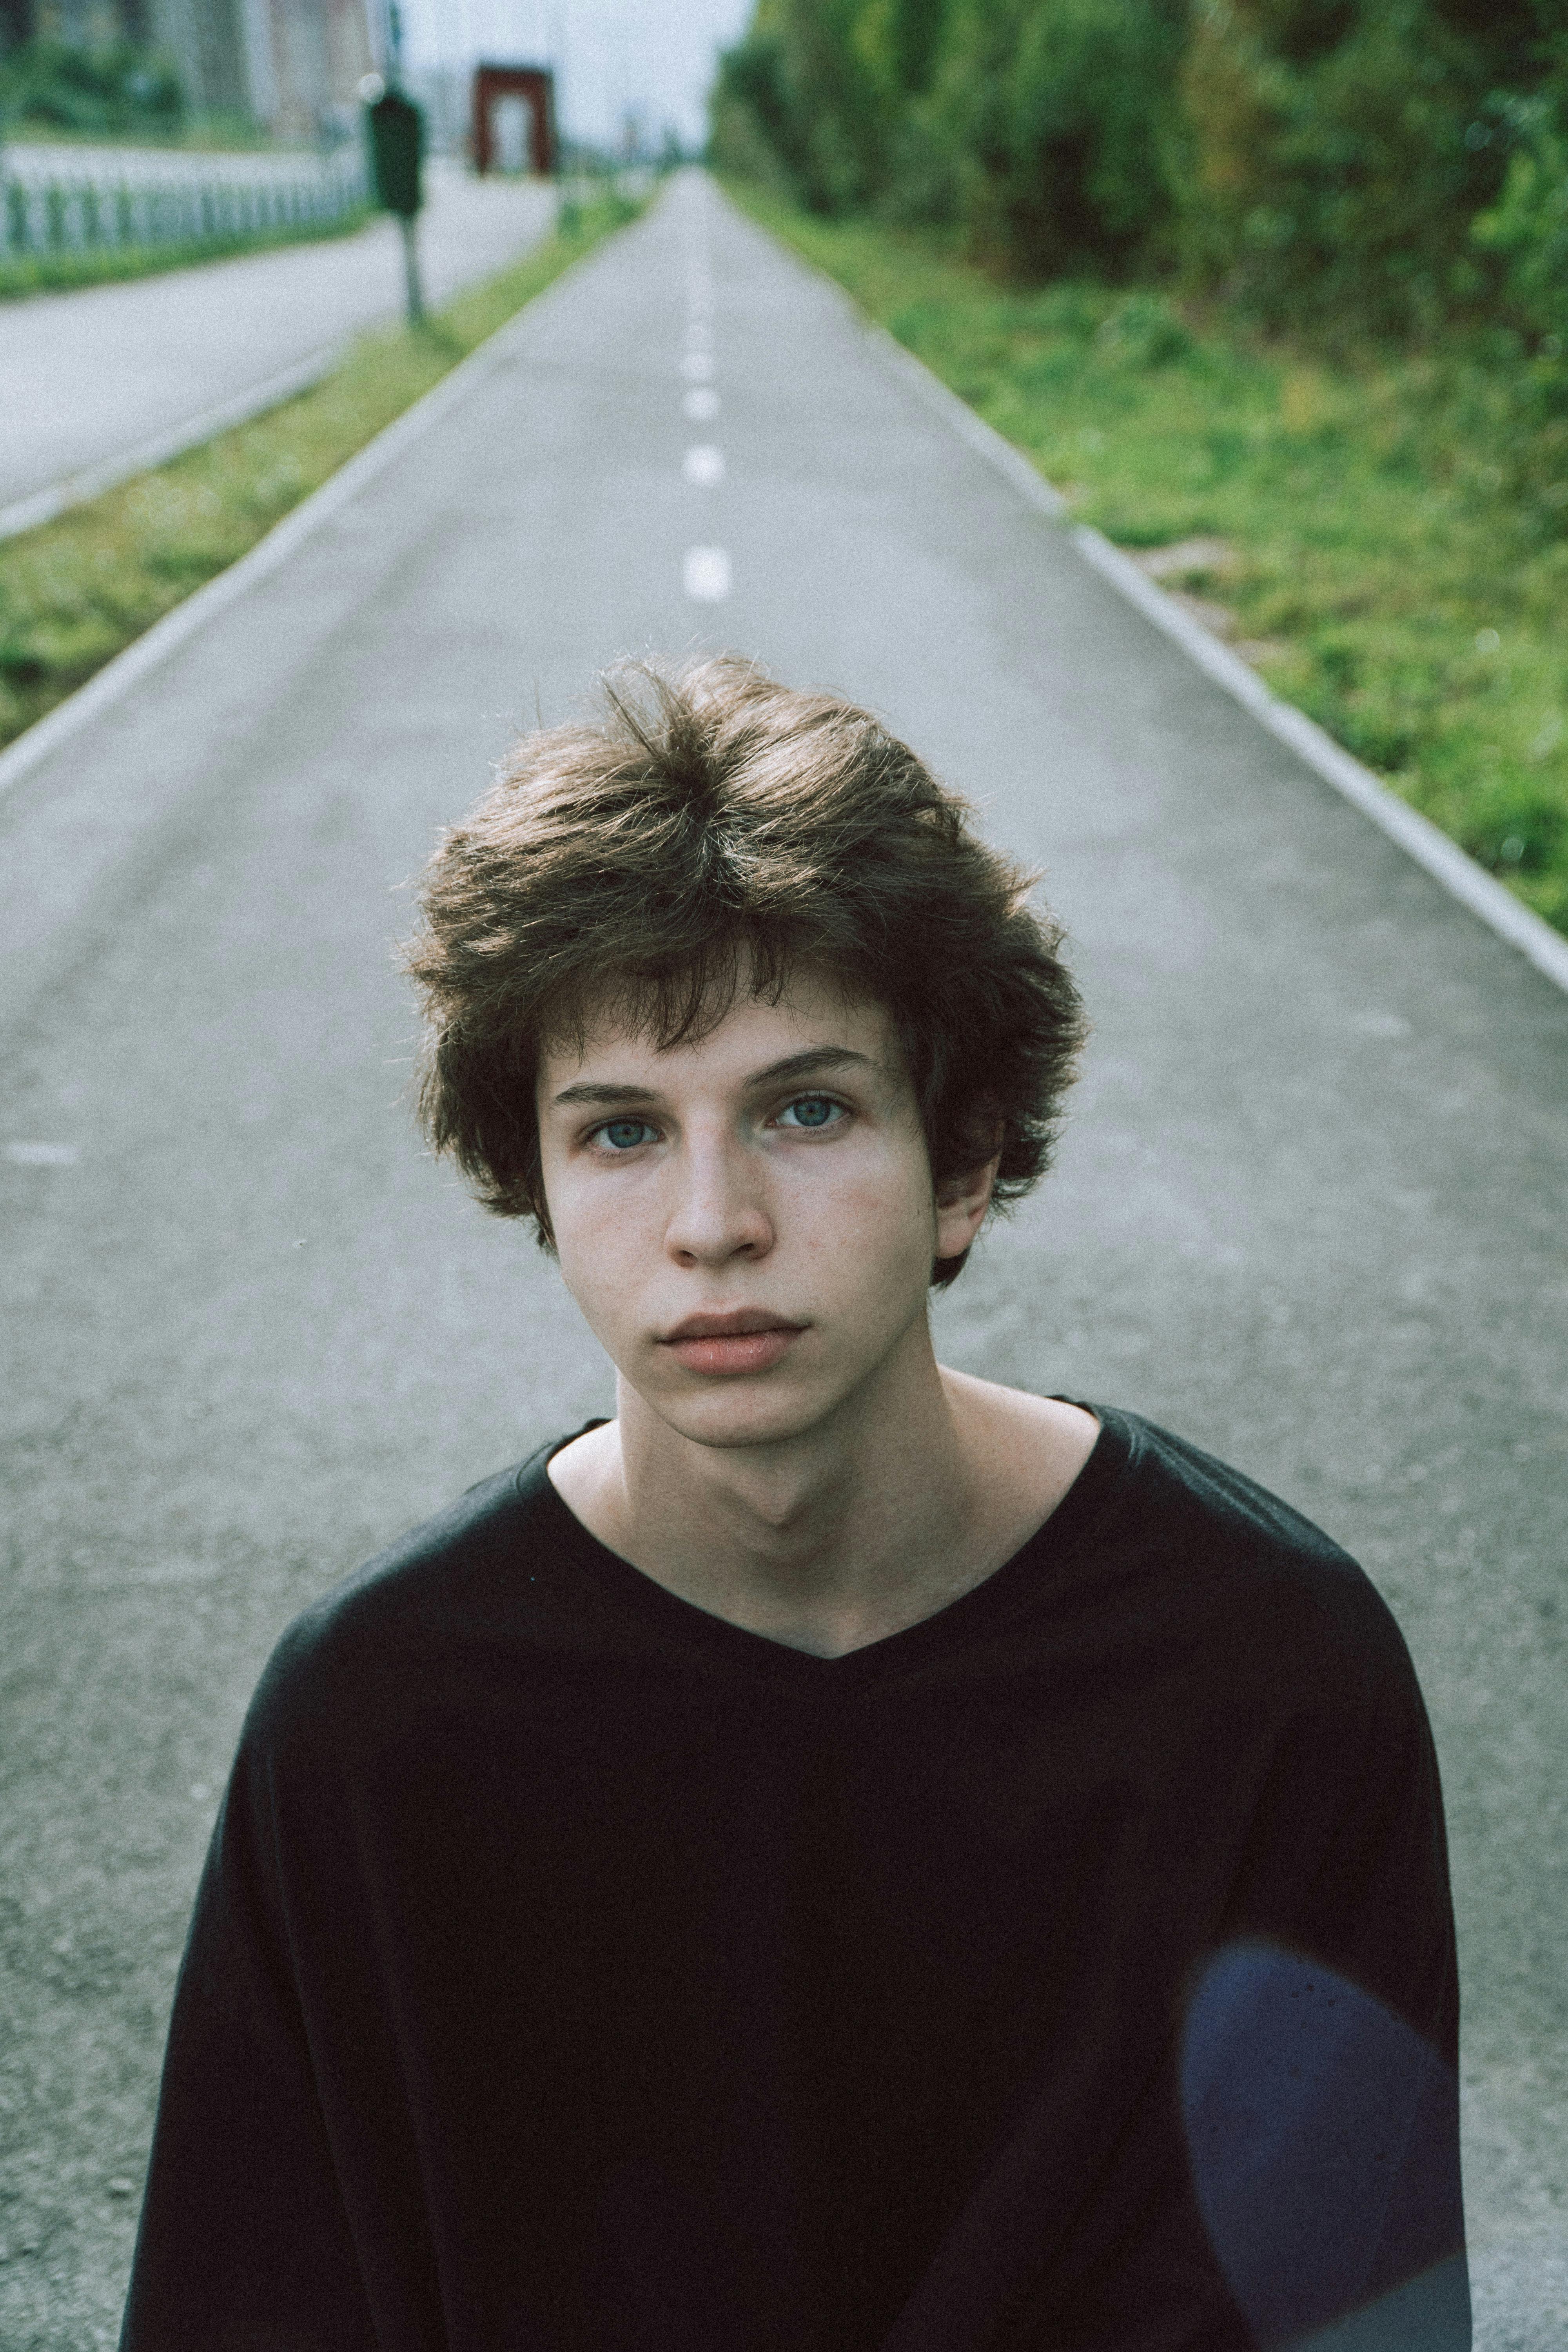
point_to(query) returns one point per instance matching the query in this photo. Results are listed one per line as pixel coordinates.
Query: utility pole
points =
(396, 130)
(556, 32)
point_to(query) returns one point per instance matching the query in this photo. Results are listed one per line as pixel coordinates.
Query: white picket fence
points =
(41, 217)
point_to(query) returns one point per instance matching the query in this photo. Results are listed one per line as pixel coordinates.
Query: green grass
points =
(1393, 529)
(103, 264)
(76, 591)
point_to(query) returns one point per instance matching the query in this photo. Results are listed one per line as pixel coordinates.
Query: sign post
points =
(396, 130)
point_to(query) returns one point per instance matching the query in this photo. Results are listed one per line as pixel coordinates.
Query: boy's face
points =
(747, 1221)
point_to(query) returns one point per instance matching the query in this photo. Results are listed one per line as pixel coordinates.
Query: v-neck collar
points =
(956, 1622)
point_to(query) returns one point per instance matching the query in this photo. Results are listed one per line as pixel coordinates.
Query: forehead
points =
(811, 1010)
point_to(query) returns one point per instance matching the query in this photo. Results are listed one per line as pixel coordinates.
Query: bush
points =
(116, 88)
(1526, 228)
(1336, 152)
(805, 85)
(753, 128)
(1062, 112)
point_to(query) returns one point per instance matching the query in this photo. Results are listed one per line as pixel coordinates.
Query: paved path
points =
(1309, 1211)
(89, 378)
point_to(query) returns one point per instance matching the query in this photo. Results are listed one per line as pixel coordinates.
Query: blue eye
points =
(814, 1111)
(624, 1134)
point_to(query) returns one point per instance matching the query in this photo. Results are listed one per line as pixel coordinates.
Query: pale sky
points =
(655, 56)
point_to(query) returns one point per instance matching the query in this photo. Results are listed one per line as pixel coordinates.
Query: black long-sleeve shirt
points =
(576, 1972)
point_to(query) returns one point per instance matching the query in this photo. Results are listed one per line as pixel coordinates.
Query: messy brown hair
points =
(712, 820)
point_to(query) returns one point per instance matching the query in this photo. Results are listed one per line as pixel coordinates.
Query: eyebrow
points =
(814, 1059)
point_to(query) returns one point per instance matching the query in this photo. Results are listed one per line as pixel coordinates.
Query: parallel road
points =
(91, 379)
(1309, 1211)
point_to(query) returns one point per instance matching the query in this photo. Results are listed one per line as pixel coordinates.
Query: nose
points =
(720, 1211)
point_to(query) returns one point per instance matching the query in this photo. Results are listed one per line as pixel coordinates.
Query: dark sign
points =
(396, 144)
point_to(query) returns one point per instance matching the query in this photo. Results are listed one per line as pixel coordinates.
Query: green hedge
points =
(1383, 165)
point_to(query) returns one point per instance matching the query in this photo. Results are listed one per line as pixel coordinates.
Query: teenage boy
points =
(843, 1854)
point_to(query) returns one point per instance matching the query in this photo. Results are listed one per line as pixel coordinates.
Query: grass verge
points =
(75, 591)
(105, 265)
(1361, 529)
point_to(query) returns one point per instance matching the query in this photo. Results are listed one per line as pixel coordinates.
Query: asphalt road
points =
(88, 377)
(1309, 1211)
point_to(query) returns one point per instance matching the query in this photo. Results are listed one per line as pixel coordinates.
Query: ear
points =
(961, 1205)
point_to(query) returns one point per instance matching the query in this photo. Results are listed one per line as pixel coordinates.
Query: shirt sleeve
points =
(1319, 2049)
(1291, 2182)
(243, 2244)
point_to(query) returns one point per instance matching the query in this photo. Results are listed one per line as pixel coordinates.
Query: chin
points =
(744, 1413)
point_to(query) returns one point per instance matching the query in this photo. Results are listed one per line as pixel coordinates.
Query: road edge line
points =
(966, 422)
(1426, 842)
(185, 620)
(1517, 924)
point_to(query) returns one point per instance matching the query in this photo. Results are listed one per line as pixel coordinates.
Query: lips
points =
(745, 1340)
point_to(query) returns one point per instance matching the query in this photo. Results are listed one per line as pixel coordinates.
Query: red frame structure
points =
(536, 86)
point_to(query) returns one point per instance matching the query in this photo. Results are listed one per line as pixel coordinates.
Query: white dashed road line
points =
(704, 466)
(706, 574)
(42, 1155)
(705, 570)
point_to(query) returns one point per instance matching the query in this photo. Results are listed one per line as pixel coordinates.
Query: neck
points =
(830, 1521)
(913, 1492)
